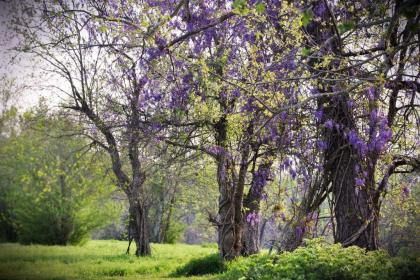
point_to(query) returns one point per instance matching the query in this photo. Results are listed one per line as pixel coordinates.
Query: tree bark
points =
(167, 223)
(138, 225)
(355, 214)
(290, 239)
(251, 236)
(251, 239)
(230, 223)
(228, 230)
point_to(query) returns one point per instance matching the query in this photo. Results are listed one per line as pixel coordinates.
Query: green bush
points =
(322, 261)
(209, 264)
(405, 268)
(52, 190)
(174, 232)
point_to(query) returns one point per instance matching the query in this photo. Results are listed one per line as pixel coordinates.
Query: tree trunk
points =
(228, 230)
(262, 231)
(251, 236)
(291, 238)
(305, 213)
(355, 215)
(251, 239)
(295, 229)
(252, 218)
(356, 219)
(167, 223)
(231, 186)
(157, 229)
(357, 222)
(138, 225)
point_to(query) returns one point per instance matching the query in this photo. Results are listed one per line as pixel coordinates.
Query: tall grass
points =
(96, 260)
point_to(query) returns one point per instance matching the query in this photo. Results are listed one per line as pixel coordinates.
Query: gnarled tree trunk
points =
(251, 233)
(251, 238)
(138, 226)
(230, 224)
(355, 215)
(226, 230)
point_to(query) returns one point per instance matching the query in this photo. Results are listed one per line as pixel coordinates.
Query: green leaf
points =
(260, 8)
(103, 28)
(306, 18)
(306, 51)
(346, 26)
(239, 4)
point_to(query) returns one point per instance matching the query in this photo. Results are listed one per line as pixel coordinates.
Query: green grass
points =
(96, 260)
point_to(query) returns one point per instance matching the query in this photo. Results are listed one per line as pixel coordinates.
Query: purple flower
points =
(373, 116)
(283, 216)
(360, 182)
(286, 163)
(371, 93)
(299, 231)
(318, 115)
(273, 132)
(283, 116)
(293, 173)
(217, 150)
(320, 10)
(353, 138)
(253, 218)
(249, 106)
(288, 62)
(143, 80)
(264, 196)
(236, 93)
(187, 78)
(260, 178)
(322, 145)
(329, 124)
(314, 91)
(406, 191)
(153, 53)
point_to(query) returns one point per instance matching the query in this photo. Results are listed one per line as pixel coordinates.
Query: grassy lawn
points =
(95, 260)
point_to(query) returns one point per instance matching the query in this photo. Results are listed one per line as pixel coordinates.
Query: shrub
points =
(405, 268)
(174, 232)
(209, 264)
(52, 190)
(322, 261)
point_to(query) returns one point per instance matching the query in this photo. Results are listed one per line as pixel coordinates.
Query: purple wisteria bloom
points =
(253, 218)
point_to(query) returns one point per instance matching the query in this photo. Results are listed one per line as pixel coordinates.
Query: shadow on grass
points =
(210, 264)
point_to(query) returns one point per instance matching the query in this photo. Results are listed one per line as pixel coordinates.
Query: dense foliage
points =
(210, 264)
(53, 190)
(318, 260)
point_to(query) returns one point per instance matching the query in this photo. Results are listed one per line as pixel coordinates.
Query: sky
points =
(24, 69)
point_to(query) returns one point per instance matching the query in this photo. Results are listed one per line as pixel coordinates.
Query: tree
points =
(220, 114)
(55, 190)
(362, 54)
(104, 89)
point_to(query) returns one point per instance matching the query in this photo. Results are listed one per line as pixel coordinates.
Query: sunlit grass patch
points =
(95, 260)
